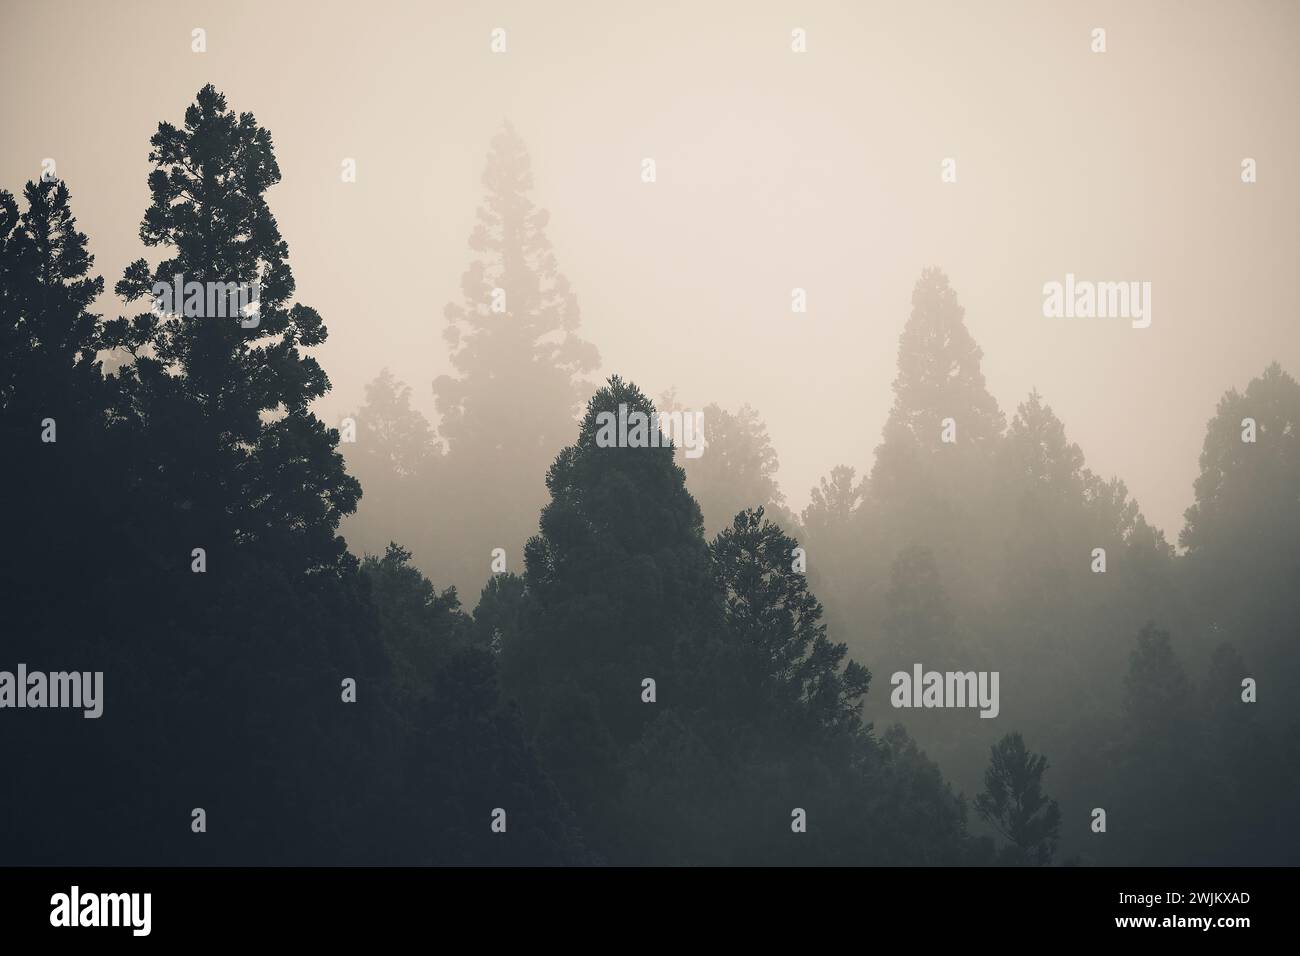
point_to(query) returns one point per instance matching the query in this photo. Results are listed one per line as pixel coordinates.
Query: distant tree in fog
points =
(1014, 804)
(737, 468)
(939, 378)
(513, 337)
(518, 382)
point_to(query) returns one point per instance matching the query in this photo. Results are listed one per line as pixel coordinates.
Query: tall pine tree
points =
(513, 334)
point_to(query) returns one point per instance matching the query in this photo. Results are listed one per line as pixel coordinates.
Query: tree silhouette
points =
(834, 503)
(48, 350)
(267, 471)
(939, 377)
(1247, 490)
(924, 489)
(531, 342)
(460, 747)
(215, 593)
(1013, 802)
(1157, 692)
(398, 461)
(617, 578)
(64, 539)
(514, 333)
(392, 437)
(639, 693)
(769, 608)
(736, 469)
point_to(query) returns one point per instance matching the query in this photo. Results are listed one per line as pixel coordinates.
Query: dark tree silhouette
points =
(1014, 804)
(769, 607)
(638, 694)
(48, 350)
(750, 700)
(462, 751)
(266, 470)
(215, 594)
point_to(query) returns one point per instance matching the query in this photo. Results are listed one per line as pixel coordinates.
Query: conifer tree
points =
(939, 377)
(49, 337)
(398, 461)
(513, 333)
(736, 467)
(920, 624)
(618, 578)
(460, 749)
(1157, 692)
(256, 612)
(750, 698)
(392, 437)
(529, 339)
(769, 608)
(266, 470)
(63, 533)
(1245, 493)
(932, 480)
(1014, 804)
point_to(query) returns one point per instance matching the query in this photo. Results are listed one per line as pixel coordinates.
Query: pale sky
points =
(818, 170)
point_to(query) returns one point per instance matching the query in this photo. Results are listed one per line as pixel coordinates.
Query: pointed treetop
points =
(939, 372)
(516, 323)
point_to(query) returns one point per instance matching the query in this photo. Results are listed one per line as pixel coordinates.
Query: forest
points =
(498, 639)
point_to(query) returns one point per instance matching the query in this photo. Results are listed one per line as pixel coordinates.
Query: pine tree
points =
(233, 476)
(1041, 494)
(1157, 692)
(398, 461)
(419, 625)
(751, 701)
(63, 533)
(1014, 804)
(736, 468)
(932, 481)
(1240, 534)
(530, 343)
(66, 474)
(392, 437)
(1246, 492)
(1038, 456)
(920, 624)
(834, 503)
(1161, 754)
(460, 749)
(49, 337)
(1241, 561)
(514, 333)
(619, 575)
(264, 471)
(770, 609)
(939, 377)
(833, 529)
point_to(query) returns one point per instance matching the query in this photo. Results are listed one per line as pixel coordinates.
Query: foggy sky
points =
(775, 170)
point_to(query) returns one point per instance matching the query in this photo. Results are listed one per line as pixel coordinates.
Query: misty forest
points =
(490, 639)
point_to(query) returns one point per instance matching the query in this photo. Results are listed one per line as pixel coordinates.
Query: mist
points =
(956, 316)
